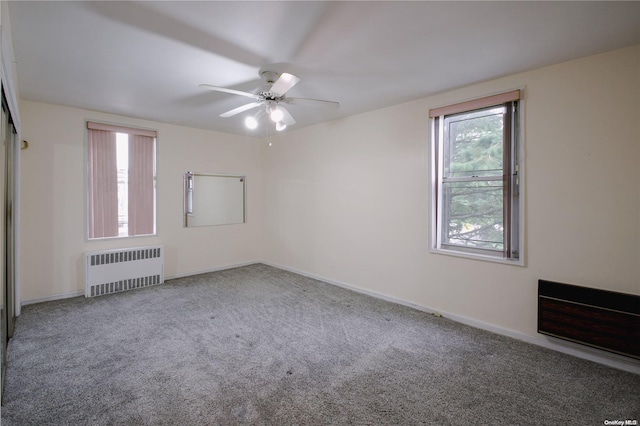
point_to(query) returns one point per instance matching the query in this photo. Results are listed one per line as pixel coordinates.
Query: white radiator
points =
(113, 271)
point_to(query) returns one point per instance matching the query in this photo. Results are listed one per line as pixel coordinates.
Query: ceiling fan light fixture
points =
(276, 114)
(267, 97)
(251, 122)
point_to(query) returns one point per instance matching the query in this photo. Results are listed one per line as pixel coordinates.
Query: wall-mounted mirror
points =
(214, 199)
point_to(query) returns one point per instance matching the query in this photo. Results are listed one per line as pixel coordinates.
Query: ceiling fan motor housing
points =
(269, 77)
(276, 85)
(268, 96)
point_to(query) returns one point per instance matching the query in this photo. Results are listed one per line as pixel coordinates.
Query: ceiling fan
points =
(270, 97)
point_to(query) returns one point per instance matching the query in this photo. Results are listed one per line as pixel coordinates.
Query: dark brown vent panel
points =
(603, 319)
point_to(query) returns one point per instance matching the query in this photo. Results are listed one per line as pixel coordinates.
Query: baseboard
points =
(70, 294)
(579, 351)
(205, 271)
(58, 296)
(602, 357)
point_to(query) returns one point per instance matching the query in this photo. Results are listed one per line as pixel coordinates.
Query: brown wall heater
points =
(603, 319)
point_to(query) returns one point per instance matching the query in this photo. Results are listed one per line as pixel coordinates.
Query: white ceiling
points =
(146, 59)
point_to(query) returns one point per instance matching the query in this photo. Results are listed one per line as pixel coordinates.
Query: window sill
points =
(474, 256)
(123, 237)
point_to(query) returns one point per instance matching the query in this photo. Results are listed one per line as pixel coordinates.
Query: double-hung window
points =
(121, 181)
(476, 200)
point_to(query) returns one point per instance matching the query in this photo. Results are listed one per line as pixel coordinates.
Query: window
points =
(476, 182)
(121, 181)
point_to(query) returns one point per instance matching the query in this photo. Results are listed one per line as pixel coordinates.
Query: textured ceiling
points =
(146, 59)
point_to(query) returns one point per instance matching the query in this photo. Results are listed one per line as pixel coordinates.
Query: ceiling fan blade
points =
(240, 109)
(313, 103)
(286, 117)
(285, 82)
(225, 90)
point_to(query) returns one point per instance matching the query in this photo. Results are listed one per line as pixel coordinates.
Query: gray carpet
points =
(258, 345)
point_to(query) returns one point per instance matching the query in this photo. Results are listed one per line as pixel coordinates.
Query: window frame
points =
(513, 178)
(119, 128)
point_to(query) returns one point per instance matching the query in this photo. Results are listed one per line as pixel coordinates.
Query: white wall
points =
(348, 200)
(53, 202)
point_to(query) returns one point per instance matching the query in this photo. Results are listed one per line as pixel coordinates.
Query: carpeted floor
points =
(258, 345)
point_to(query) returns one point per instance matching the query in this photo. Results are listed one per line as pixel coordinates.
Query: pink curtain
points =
(141, 185)
(103, 184)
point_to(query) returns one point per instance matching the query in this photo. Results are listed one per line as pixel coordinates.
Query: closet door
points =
(3, 292)
(7, 231)
(10, 138)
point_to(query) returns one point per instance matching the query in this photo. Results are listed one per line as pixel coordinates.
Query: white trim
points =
(357, 289)
(206, 271)
(476, 256)
(77, 293)
(58, 296)
(584, 352)
(566, 347)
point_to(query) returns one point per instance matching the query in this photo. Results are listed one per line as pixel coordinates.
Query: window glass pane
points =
(473, 143)
(121, 182)
(473, 214)
(476, 183)
(122, 153)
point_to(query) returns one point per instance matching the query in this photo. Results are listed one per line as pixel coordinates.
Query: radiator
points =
(599, 318)
(113, 271)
